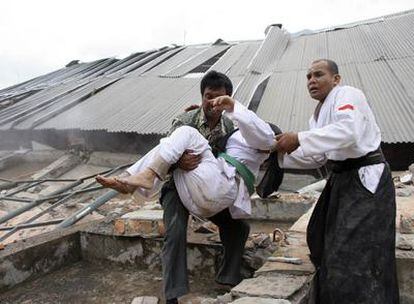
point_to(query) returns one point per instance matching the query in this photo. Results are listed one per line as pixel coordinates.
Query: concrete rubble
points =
(129, 231)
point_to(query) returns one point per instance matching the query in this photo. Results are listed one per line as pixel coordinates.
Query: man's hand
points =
(189, 161)
(222, 103)
(192, 107)
(287, 142)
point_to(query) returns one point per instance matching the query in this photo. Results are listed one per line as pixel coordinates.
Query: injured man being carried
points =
(217, 183)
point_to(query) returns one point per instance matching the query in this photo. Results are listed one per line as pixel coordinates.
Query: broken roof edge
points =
(306, 32)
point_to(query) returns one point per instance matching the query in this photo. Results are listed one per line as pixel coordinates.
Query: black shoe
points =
(172, 301)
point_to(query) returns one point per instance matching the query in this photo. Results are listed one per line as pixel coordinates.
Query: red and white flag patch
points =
(346, 107)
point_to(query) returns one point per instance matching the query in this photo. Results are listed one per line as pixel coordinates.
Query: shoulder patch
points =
(346, 107)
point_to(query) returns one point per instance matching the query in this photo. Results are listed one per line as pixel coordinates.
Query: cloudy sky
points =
(41, 36)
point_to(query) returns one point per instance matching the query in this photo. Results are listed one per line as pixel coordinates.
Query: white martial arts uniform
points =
(213, 185)
(346, 128)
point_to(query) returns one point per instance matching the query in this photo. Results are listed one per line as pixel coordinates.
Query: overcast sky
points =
(40, 36)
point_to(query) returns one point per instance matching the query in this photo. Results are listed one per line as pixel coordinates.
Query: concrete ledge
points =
(144, 252)
(278, 286)
(38, 260)
(108, 159)
(285, 207)
(39, 255)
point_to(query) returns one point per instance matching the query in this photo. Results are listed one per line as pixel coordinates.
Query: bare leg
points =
(111, 182)
(144, 179)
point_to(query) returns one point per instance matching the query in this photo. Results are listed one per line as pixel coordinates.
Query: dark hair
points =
(333, 67)
(216, 80)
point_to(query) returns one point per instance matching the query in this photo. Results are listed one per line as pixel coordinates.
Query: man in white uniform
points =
(214, 185)
(351, 234)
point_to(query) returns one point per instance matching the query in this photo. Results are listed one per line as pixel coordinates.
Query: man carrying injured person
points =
(217, 183)
(351, 233)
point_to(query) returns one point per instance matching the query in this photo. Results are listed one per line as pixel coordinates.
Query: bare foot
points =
(144, 179)
(111, 182)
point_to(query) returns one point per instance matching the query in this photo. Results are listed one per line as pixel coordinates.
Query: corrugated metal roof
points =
(375, 55)
(194, 61)
(185, 54)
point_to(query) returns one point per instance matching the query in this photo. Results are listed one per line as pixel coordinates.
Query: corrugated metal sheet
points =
(124, 105)
(285, 101)
(397, 41)
(245, 90)
(236, 59)
(316, 46)
(193, 62)
(291, 58)
(270, 51)
(64, 103)
(165, 67)
(37, 101)
(144, 106)
(403, 69)
(393, 107)
(155, 62)
(240, 67)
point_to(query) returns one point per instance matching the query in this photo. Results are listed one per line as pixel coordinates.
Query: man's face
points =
(208, 95)
(321, 80)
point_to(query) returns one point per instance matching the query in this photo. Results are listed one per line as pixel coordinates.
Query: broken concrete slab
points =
(149, 215)
(256, 300)
(145, 223)
(284, 207)
(277, 286)
(111, 160)
(58, 167)
(300, 252)
(145, 300)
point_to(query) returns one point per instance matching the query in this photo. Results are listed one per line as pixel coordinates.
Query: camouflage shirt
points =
(197, 119)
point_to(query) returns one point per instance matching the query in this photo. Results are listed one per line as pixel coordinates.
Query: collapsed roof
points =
(144, 91)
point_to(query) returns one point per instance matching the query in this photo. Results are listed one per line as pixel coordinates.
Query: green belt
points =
(244, 172)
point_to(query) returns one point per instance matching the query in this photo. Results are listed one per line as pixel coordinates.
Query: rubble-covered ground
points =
(85, 282)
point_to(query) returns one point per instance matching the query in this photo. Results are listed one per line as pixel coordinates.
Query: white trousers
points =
(204, 191)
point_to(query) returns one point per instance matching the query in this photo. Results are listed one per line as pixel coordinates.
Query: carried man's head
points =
(214, 84)
(323, 76)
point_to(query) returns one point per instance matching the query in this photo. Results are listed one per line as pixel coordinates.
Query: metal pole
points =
(17, 199)
(31, 225)
(88, 209)
(59, 202)
(22, 188)
(93, 206)
(63, 199)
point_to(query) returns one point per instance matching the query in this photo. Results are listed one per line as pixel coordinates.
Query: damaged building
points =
(60, 228)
